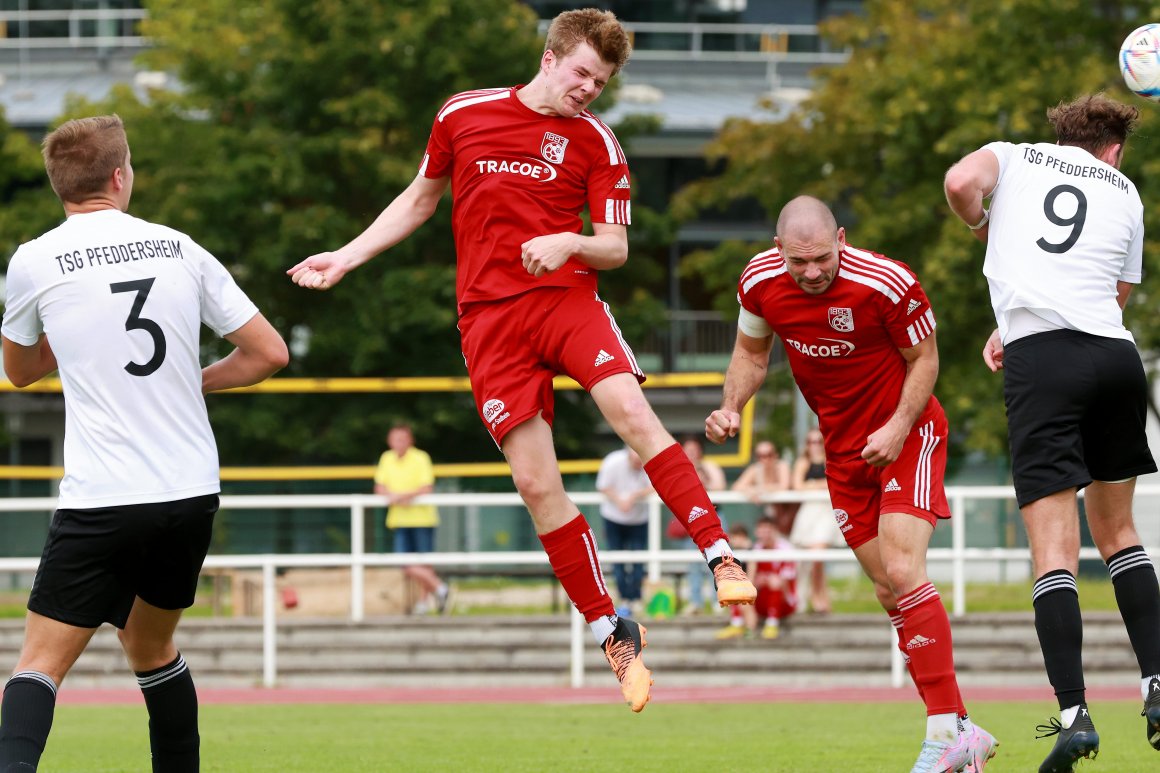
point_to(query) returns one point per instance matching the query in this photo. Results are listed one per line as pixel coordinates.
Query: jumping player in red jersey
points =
(859, 334)
(523, 162)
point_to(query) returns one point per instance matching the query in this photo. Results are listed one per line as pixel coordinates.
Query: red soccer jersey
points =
(517, 174)
(843, 345)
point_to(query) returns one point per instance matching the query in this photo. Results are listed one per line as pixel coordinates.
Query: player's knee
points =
(535, 489)
(637, 420)
(885, 595)
(145, 652)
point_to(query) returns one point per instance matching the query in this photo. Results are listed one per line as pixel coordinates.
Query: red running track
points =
(585, 695)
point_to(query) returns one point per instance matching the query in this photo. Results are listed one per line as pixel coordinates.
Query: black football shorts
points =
(1077, 406)
(96, 561)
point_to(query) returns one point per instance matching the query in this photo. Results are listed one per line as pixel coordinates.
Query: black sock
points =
(1060, 628)
(1138, 597)
(25, 719)
(172, 703)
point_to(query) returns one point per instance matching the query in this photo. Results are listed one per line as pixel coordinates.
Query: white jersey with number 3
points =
(122, 301)
(1065, 228)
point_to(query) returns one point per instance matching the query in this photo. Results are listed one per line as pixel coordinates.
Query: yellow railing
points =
(397, 385)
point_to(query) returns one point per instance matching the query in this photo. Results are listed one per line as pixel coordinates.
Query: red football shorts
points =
(514, 348)
(912, 484)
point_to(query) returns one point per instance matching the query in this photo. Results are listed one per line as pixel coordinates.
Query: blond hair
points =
(81, 155)
(599, 29)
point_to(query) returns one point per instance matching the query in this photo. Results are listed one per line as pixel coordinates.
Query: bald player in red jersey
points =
(858, 332)
(523, 162)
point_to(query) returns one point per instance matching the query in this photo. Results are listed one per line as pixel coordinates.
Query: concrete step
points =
(535, 650)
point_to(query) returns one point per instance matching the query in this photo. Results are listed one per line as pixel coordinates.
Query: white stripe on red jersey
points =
(762, 266)
(872, 271)
(469, 98)
(615, 154)
(618, 211)
(881, 263)
(921, 328)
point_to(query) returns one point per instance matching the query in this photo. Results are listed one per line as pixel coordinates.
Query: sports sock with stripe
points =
(676, 483)
(573, 554)
(171, 700)
(1060, 629)
(896, 621)
(1138, 597)
(927, 631)
(26, 718)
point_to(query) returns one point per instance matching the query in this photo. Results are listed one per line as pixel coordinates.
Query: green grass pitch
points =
(592, 738)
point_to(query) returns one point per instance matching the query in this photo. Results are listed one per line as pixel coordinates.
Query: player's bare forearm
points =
(747, 370)
(260, 353)
(744, 376)
(25, 365)
(409, 210)
(918, 385)
(605, 249)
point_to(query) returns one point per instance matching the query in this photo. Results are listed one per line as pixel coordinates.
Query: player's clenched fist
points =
(318, 272)
(721, 425)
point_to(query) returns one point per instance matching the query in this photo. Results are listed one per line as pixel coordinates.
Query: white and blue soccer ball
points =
(1140, 61)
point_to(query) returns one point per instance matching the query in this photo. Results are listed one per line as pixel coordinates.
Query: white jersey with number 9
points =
(1065, 228)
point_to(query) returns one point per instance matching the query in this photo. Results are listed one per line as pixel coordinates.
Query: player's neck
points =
(95, 204)
(534, 96)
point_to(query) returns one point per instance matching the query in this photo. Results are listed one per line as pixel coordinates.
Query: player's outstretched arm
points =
(408, 211)
(885, 444)
(260, 353)
(745, 375)
(25, 365)
(966, 185)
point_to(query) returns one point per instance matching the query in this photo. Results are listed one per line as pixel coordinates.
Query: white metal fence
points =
(655, 557)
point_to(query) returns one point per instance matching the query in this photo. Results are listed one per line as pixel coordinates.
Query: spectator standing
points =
(404, 474)
(625, 485)
(814, 528)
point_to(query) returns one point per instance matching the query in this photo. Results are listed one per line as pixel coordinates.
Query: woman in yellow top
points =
(404, 473)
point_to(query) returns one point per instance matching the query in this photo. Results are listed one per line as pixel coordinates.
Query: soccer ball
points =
(1140, 61)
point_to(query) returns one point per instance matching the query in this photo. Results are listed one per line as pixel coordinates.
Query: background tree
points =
(295, 124)
(927, 82)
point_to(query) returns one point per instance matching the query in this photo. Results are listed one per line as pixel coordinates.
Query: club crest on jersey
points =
(841, 319)
(553, 147)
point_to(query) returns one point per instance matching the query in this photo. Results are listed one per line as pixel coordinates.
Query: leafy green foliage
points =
(296, 123)
(929, 81)
(25, 210)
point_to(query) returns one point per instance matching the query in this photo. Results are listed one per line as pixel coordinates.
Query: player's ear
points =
(1113, 155)
(841, 237)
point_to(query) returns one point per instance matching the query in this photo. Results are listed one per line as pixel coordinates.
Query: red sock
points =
(677, 484)
(896, 621)
(572, 552)
(927, 631)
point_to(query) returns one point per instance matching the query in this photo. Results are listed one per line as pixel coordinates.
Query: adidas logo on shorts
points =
(696, 513)
(603, 357)
(892, 486)
(919, 641)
